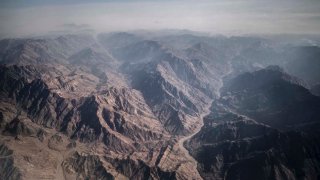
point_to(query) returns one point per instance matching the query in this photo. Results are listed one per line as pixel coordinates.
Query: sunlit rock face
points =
(157, 106)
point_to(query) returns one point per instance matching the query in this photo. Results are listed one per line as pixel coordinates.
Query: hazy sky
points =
(32, 17)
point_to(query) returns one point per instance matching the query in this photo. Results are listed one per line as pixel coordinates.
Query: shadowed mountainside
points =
(121, 105)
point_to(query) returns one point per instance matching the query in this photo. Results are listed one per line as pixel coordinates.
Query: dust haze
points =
(223, 17)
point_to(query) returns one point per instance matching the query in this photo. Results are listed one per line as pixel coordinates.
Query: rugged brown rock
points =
(123, 106)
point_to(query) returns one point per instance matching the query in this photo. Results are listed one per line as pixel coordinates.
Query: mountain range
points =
(130, 105)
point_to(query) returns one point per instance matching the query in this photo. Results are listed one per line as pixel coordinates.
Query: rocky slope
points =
(264, 126)
(81, 112)
(121, 106)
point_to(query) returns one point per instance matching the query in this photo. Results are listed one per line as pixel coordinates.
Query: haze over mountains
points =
(232, 17)
(159, 105)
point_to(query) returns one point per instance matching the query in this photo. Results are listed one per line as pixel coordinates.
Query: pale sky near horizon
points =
(32, 17)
